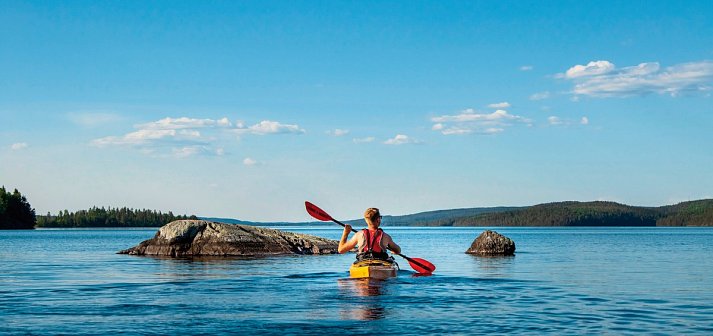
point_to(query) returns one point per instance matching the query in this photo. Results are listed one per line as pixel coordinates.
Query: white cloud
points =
(179, 123)
(224, 122)
(455, 131)
(188, 151)
(540, 95)
(526, 68)
(468, 121)
(271, 127)
(249, 162)
(502, 105)
(554, 120)
(557, 121)
(591, 69)
(401, 139)
(133, 138)
(642, 79)
(338, 132)
(184, 137)
(19, 146)
(364, 140)
(493, 130)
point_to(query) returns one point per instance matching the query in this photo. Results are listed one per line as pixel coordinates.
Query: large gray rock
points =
(184, 238)
(491, 243)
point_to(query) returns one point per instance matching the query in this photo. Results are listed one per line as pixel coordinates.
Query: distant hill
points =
(440, 217)
(693, 213)
(429, 218)
(596, 213)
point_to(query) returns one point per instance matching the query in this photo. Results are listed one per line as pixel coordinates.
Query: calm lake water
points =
(561, 281)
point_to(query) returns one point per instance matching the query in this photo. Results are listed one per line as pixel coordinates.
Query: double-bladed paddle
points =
(419, 265)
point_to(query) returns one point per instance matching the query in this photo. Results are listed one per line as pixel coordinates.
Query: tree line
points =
(599, 213)
(15, 211)
(111, 217)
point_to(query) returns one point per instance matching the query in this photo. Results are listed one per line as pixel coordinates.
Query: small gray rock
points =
(491, 243)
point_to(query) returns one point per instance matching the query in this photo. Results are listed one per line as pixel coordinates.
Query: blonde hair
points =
(371, 214)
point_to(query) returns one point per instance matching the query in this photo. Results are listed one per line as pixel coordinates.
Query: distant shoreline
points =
(697, 213)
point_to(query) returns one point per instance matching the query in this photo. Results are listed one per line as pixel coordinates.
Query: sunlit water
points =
(561, 281)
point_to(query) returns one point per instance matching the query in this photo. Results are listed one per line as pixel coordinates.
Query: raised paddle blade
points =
(421, 266)
(316, 212)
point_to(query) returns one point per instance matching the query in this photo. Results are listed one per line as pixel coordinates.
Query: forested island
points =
(111, 217)
(16, 213)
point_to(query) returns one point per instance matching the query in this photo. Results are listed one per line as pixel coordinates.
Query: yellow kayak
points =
(375, 269)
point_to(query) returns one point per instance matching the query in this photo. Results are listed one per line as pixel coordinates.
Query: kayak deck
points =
(375, 269)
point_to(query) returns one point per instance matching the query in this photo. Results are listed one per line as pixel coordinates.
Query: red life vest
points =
(372, 244)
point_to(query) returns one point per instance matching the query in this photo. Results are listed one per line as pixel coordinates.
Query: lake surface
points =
(561, 281)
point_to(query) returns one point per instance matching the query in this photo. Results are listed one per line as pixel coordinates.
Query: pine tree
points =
(15, 211)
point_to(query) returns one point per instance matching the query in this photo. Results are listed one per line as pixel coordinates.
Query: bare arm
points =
(344, 245)
(391, 245)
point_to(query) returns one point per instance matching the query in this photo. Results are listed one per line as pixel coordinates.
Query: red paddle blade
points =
(421, 266)
(316, 212)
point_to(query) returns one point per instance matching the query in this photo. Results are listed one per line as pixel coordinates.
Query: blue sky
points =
(247, 109)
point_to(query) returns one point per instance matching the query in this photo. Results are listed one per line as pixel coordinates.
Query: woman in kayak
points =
(373, 241)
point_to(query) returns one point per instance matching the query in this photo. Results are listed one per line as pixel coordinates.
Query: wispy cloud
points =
(502, 105)
(19, 146)
(526, 68)
(250, 162)
(540, 95)
(603, 79)
(363, 140)
(591, 69)
(146, 136)
(338, 132)
(187, 151)
(266, 127)
(401, 139)
(184, 123)
(185, 136)
(552, 120)
(469, 121)
(557, 121)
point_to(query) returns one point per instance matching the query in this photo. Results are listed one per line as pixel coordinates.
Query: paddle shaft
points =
(399, 254)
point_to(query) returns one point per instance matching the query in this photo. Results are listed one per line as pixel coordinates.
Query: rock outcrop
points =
(491, 243)
(185, 238)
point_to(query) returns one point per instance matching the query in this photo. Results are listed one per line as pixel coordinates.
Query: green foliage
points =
(15, 211)
(696, 213)
(112, 217)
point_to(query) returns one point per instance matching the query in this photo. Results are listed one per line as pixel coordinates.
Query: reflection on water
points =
(364, 298)
(494, 266)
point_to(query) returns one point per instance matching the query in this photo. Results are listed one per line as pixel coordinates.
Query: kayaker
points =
(373, 242)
